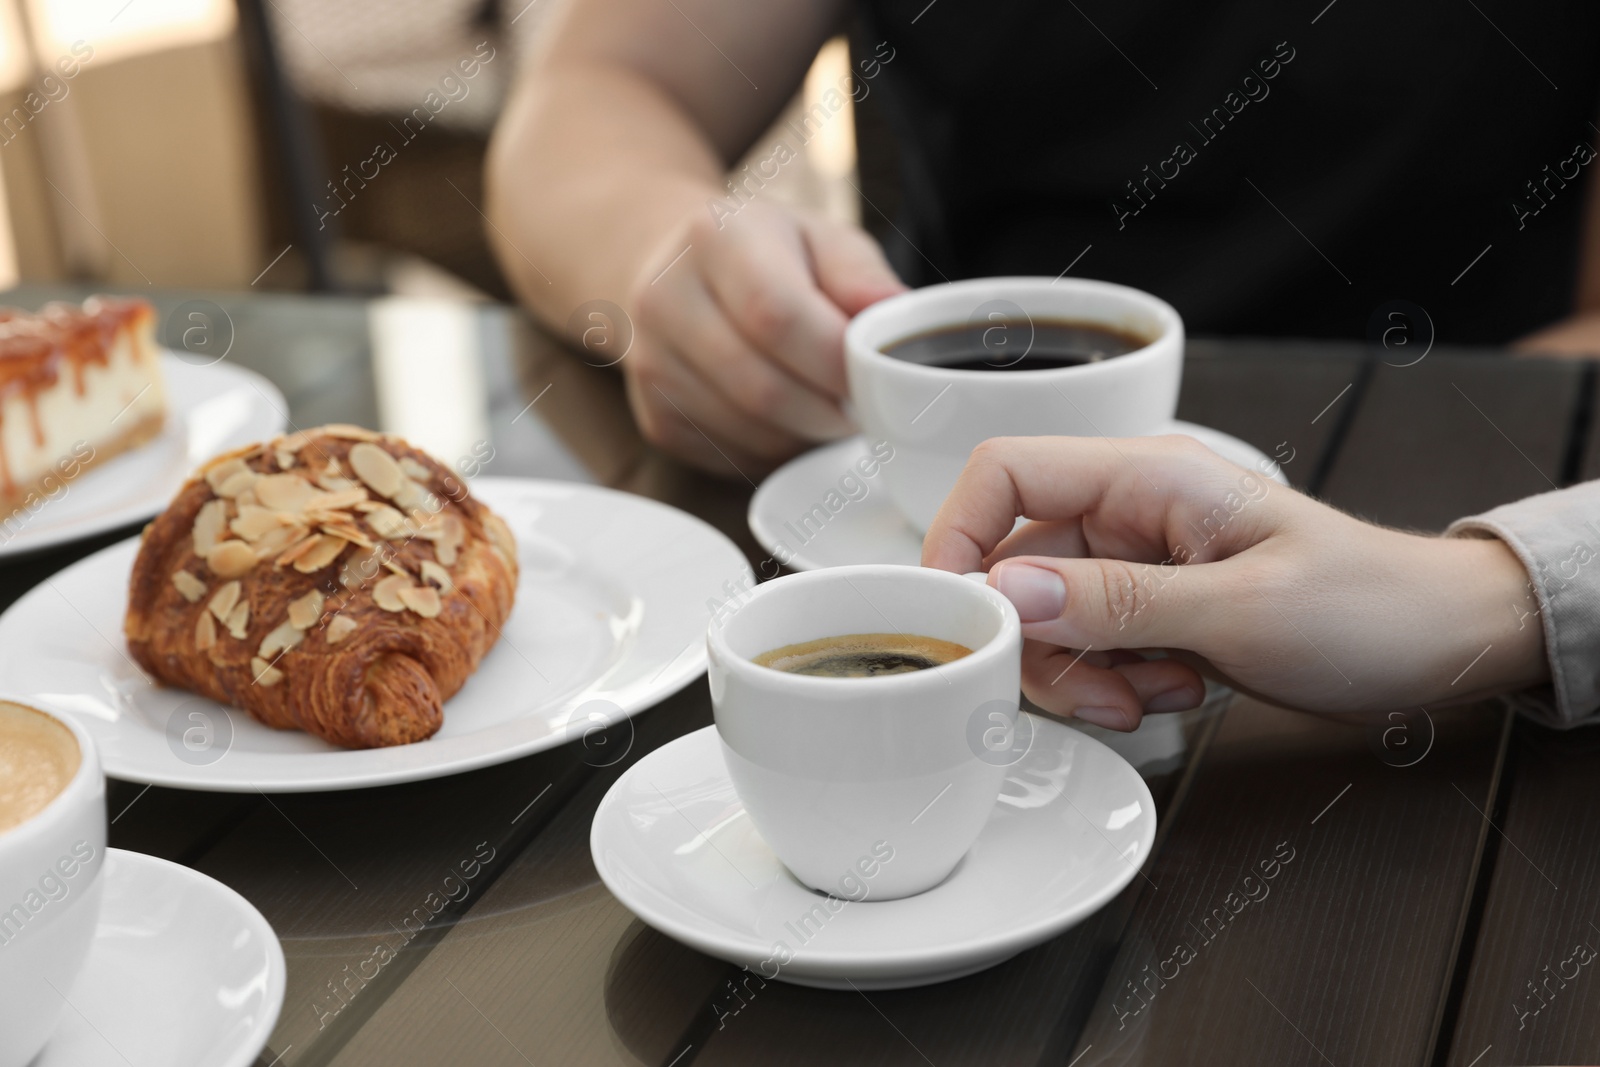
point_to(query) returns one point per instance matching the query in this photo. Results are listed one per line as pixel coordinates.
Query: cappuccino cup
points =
(881, 780)
(934, 414)
(52, 849)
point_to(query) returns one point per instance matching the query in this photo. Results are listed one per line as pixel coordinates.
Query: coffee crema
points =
(1015, 345)
(38, 758)
(863, 655)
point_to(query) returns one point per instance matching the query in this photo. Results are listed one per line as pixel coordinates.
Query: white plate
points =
(610, 618)
(182, 971)
(870, 529)
(210, 409)
(673, 843)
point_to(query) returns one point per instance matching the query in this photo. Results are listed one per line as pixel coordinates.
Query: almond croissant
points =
(334, 581)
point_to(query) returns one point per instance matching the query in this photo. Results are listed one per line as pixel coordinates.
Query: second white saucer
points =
(674, 844)
(182, 971)
(805, 528)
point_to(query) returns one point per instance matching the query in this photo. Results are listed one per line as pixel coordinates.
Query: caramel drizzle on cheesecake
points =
(35, 346)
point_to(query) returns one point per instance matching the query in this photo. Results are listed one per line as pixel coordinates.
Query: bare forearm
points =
(593, 167)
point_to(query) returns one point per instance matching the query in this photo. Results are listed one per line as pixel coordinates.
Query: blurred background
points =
(290, 145)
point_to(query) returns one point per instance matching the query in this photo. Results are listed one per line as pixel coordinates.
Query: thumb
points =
(1108, 603)
(849, 266)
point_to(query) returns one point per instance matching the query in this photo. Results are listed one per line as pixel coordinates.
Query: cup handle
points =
(981, 577)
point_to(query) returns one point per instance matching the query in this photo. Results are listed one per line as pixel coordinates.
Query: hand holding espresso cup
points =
(738, 351)
(1158, 543)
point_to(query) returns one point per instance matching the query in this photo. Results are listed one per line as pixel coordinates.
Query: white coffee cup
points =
(935, 416)
(867, 788)
(50, 887)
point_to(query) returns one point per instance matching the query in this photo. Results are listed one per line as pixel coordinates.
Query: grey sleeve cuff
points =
(1556, 535)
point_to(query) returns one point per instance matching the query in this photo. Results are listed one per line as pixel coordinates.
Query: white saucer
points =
(610, 618)
(673, 843)
(211, 409)
(871, 530)
(182, 971)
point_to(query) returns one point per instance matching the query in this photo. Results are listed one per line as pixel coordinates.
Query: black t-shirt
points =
(1272, 168)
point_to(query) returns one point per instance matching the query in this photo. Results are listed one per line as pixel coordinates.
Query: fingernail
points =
(1110, 718)
(1037, 594)
(1180, 699)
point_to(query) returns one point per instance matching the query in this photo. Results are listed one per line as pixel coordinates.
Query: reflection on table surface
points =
(479, 385)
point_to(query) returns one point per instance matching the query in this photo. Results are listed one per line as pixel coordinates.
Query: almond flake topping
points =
(388, 523)
(190, 587)
(218, 476)
(210, 522)
(377, 468)
(346, 532)
(304, 613)
(239, 621)
(415, 470)
(205, 631)
(359, 569)
(433, 572)
(341, 500)
(225, 600)
(296, 550)
(387, 593)
(422, 599)
(284, 636)
(341, 627)
(230, 559)
(265, 674)
(324, 552)
(271, 544)
(254, 521)
(411, 495)
(446, 533)
(284, 492)
(236, 484)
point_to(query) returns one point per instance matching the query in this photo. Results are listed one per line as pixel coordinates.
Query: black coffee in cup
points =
(1016, 344)
(863, 655)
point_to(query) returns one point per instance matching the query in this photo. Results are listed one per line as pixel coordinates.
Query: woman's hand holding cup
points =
(1159, 543)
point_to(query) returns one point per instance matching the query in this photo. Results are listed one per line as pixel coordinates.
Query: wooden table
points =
(1433, 877)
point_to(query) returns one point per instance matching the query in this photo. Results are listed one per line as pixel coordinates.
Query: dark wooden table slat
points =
(1532, 984)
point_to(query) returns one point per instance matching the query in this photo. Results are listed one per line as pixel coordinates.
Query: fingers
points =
(1043, 538)
(759, 388)
(760, 274)
(849, 265)
(1116, 696)
(740, 348)
(1107, 603)
(684, 414)
(1141, 498)
(1005, 477)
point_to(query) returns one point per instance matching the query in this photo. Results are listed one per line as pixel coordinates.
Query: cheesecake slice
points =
(77, 387)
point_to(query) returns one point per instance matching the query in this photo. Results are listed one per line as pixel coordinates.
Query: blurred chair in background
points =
(286, 144)
(126, 145)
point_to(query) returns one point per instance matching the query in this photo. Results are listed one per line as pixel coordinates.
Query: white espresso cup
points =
(867, 788)
(934, 416)
(50, 868)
